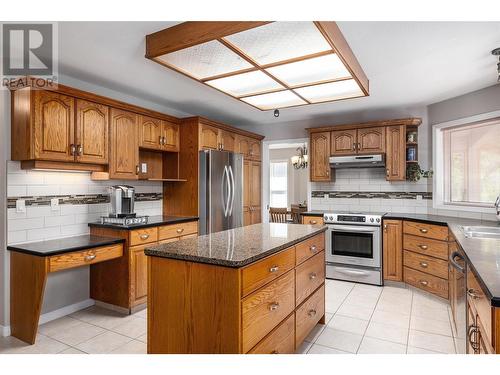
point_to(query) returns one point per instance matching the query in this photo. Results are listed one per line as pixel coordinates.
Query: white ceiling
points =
(408, 63)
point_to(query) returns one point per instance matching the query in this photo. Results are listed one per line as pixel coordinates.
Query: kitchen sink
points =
(481, 232)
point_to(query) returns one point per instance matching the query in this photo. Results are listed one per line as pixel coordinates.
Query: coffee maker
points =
(122, 201)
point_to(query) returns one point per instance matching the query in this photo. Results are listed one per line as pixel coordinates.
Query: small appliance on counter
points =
(122, 198)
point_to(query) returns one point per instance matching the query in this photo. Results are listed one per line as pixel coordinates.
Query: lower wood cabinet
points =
(280, 340)
(393, 250)
(312, 220)
(308, 315)
(139, 275)
(252, 203)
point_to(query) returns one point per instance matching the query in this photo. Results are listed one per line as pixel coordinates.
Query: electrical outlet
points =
(54, 204)
(20, 206)
(419, 197)
(144, 168)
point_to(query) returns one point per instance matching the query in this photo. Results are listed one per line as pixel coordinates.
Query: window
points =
(471, 163)
(278, 184)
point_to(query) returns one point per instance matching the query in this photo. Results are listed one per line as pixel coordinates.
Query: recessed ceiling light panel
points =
(274, 100)
(318, 69)
(246, 84)
(205, 60)
(280, 41)
(331, 91)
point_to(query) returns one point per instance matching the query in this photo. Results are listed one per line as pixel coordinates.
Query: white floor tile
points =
(141, 314)
(401, 306)
(304, 347)
(315, 332)
(355, 311)
(413, 350)
(430, 341)
(431, 325)
(340, 340)
(429, 312)
(72, 351)
(43, 345)
(102, 317)
(387, 332)
(132, 347)
(348, 324)
(392, 318)
(77, 334)
(58, 325)
(132, 328)
(143, 338)
(371, 345)
(320, 349)
(104, 343)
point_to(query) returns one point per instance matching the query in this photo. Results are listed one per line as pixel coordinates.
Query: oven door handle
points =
(352, 272)
(354, 229)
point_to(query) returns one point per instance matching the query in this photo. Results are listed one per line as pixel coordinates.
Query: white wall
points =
(4, 152)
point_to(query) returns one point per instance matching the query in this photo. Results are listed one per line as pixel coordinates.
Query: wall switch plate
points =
(326, 196)
(20, 206)
(54, 204)
(419, 197)
(144, 168)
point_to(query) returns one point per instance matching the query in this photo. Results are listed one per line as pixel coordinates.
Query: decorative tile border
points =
(371, 194)
(78, 199)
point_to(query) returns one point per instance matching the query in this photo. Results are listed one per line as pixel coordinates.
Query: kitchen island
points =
(254, 289)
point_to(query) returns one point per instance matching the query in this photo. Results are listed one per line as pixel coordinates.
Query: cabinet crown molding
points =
(411, 121)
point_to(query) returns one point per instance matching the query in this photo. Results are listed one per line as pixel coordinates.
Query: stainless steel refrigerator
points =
(220, 191)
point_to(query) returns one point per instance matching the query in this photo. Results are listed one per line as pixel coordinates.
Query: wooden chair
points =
(278, 215)
(296, 210)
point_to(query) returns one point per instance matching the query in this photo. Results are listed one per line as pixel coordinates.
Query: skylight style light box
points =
(268, 65)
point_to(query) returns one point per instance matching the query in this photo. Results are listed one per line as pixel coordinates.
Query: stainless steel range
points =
(354, 247)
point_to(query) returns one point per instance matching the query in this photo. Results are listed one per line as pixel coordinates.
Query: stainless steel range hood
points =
(357, 161)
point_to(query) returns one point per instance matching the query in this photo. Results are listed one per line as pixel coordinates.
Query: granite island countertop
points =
(236, 247)
(153, 221)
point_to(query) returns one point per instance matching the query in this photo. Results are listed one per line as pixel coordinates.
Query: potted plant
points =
(414, 172)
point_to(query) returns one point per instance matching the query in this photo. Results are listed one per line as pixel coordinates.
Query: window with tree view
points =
(472, 163)
(278, 184)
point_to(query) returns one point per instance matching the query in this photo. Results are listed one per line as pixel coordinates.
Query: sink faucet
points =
(497, 207)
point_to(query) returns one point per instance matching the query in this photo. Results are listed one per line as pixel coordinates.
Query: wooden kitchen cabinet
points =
(395, 160)
(150, 133)
(91, 132)
(343, 142)
(209, 137)
(139, 273)
(228, 141)
(170, 134)
(252, 203)
(250, 148)
(371, 140)
(393, 250)
(320, 153)
(124, 148)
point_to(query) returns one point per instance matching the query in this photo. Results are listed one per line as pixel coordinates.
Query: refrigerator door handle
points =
(228, 181)
(224, 199)
(233, 189)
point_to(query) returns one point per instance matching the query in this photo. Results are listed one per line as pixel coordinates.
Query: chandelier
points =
(300, 161)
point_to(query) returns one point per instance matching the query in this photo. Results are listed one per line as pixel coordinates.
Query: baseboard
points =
(56, 314)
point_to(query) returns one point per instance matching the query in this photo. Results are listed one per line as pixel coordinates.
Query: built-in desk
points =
(30, 263)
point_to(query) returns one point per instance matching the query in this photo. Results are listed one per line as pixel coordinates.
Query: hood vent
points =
(357, 161)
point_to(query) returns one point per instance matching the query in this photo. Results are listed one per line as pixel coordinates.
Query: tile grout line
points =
(409, 322)
(369, 320)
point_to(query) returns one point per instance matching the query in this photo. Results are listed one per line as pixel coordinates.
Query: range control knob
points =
(371, 219)
(378, 220)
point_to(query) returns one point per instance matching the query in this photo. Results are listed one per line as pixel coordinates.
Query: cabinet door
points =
(255, 152)
(171, 136)
(91, 132)
(393, 250)
(150, 133)
(244, 146)
(209, 137)
(371, 140)
(256, 215)
(320, 152)
(255, 198)
(395, 153)
(54, 126)
(124, 147)
(139, 275)
(343, 142)
(228, 141)
(247, 189)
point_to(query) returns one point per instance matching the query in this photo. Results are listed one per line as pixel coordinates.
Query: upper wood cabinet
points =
(91, 132)
(395, 162)
(371, 140)
(170, 134)
(343, 142)
(124, 148)
(150, 133)
(228, 141)
(250, 148)
(393, 250)
(209, 137)
(255, 150)
(320, 153)
(54, 124)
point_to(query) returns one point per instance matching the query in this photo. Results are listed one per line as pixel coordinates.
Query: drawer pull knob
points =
(424, 282)
(274, 306)
(274, 269)
(275, 351)
(313, 222)
(424, 230)
(312, 275)
(424, 265)
(423, 247)
(144, 236)
(472, 293)
(313, 248)
(180, 230)
(311, 313)
(88, 258)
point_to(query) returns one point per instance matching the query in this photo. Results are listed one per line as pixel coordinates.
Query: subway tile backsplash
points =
(81, 201)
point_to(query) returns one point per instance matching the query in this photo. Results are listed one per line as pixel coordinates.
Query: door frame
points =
(265, 173)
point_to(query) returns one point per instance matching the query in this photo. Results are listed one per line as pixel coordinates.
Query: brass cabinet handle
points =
(472, 293)
(424, 282)
(144, 236)
(79, 149)
(137, 169)
(313, 222)
(358, 146)
(312, 275)
(72, 149)
(311, 312)
(424, 230)
(385, 227)
(88, 258)
(387, 172)
(160, 140)
(328, 173)
(180, 230)
(424, 265)
(313, 248)
(274, 306)
(354, 146)
(423, 247)
(274, 269)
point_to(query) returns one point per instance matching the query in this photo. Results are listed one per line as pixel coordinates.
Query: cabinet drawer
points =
(478, 300)
(426, 282)
(426, 246)
(142, 236)
(308, 315)
(280, 341)
(264, 309)
(437, 232)
(176, 230)
(308, 248)
(312, 220)
(424, 263)
(309, 276)
(266, 270)
(84, 257)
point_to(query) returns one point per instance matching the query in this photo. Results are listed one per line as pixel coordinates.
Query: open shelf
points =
(412, 161)
(161, 166)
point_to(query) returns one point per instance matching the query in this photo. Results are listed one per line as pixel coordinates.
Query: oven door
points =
(354, 244)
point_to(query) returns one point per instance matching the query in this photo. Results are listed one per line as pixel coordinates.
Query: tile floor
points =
(359, 319)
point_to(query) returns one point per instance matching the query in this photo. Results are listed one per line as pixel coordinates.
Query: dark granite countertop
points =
(64, 245)
(437, 219)
(236, 247)
(153, 221)
(312, 213)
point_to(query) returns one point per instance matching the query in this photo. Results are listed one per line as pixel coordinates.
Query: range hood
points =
(357, 161)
